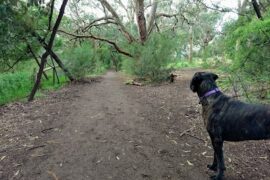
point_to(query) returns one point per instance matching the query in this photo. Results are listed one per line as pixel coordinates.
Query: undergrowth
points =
(16, 86)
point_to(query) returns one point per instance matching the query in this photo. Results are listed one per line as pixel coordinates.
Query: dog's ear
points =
(192, 85)
(195, 82)
(214, 76)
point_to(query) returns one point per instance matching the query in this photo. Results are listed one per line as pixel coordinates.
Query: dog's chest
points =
(206, 112)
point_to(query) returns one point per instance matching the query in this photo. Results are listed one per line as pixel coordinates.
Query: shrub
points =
(86, 60)
(152, 58)
(127, 66)
(248, 46)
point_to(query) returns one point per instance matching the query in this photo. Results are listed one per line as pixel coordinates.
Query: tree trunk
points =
(190, 44)
(54, 56)
(118, 21)
(242, 6)
(49, 47)
(152, 17)
(141, 20)
(257, 9)
(36, 59)
(239, 5)
(61, 65)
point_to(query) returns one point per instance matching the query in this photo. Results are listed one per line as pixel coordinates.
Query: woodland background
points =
(42, 48)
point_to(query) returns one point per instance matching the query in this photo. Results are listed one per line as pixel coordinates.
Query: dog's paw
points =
(217, 177)
(212, 167)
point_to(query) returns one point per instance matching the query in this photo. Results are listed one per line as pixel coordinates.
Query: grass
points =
(13, 86)
(17, 86)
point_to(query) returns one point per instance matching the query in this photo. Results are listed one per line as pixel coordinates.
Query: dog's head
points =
(203, 82)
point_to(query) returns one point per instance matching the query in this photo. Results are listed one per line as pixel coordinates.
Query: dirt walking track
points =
(108, 130)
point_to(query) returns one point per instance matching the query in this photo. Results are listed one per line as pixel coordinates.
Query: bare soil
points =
(108, 130)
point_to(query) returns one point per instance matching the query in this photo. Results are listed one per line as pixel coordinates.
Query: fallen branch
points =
(203, 140)
(44, 130)
(134, 83)
(186, 131)
(35, 147)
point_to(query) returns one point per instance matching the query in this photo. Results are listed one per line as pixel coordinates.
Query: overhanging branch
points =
(129, 37)
(93, 23)
(100, 39)
(174, 16)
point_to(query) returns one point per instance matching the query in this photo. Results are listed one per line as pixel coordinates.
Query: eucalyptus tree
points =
(129, 25)
(132, 21)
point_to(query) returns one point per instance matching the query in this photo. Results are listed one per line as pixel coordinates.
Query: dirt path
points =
(107, 130)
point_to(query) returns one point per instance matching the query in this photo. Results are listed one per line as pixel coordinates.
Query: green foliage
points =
(205, 28)
(17, 23)
(183, 63)
(86, 59)
(127, 66)
(152, 58)
(248, 46)
(15, 86)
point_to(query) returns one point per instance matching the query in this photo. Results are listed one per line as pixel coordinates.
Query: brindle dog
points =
(227, 119)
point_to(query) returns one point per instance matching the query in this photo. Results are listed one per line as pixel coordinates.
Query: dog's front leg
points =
(218, 148)
(213, 167)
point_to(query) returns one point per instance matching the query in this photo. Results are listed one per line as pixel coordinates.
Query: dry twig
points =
(186, 131)
(53, 175)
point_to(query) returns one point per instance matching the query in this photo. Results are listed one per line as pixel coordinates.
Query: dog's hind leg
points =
(218, 148)
(213, 167)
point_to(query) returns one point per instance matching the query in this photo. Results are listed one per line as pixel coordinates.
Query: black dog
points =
(227, 119)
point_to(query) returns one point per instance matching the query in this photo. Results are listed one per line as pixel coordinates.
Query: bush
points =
(153, 58)
(248, 46)
(79, 60)
(127, 66)
(86, 60)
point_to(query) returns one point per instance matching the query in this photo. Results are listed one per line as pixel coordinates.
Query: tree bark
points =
(152, 17)
(257, 9)
(49, 47)
(190, 44)
(36, 59)
(54, 56)
(141, 20)
(61, 65)
(118, 21)
(243, 6)
(51, 14)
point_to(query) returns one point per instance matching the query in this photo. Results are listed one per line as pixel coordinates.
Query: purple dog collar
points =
(210, 93)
